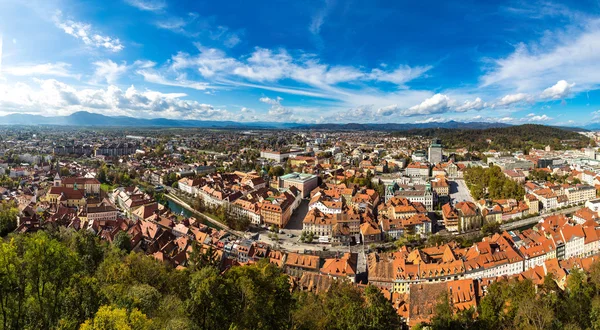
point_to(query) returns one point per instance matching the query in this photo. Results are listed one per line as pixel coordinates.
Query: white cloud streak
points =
(87, 34)
(148, 5)
(59, 69)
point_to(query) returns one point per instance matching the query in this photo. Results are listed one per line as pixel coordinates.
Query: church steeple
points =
(57, 180)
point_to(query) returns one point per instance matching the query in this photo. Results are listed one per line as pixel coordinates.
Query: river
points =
(176, 208)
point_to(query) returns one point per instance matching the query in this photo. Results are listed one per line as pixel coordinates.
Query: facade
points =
(435, 151)
(424, 197)
(580, 194)
(101, 213)
(89, 185)
(464, 216)
(71, 197)
(276, 212)
(279, 156)
(296, 264)
(327, 227)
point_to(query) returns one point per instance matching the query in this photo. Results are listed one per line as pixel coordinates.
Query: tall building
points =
(435, 151)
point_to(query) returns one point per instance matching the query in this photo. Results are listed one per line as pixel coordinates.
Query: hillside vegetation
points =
(68, 280)
(523, 137)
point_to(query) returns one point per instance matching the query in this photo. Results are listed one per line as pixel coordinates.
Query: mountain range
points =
(84, 118)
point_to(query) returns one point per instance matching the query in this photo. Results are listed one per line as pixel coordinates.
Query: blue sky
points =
(304, 61)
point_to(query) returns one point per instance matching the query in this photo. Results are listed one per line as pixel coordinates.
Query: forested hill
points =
(522, 137)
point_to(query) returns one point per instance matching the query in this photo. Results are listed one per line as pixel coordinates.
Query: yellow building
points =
(71, 197)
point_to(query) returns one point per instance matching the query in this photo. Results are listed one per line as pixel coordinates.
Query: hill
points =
(522, 137)
(83, 118)
(405, 127)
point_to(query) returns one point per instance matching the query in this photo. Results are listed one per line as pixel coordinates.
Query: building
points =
(71, 197)
(418, 170)
(580, 194)
(418, 194)
(465, 216)
(296, 264)
(101, 213)
(279, 156)
(533, 204)
(593, 204)
(276, 212)
(88, 185)
(329, 228)
(116, 149)
(435, 151)
(442, 189)
(303, 182)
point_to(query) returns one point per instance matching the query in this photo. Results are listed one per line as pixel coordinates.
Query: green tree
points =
(122, 241)
(8, 218)
(112, 318)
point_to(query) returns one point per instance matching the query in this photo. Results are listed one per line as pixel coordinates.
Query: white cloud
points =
(388, 110)
(513, 99)
(232, 40)
(178, 24)
(209, 62)
(54, 97)
(432, 120)
(573, 55)
(156, 77)
(401, 75)
(476, 104)
(359, 114)
(148, 5)
(270, 66)
(538, 118)
(438, 103)
(271, 101)
(277, 111)
(506, 119)
(560, 90)
(59, 69)
(85, 33)
(319, 18)
(109, 71)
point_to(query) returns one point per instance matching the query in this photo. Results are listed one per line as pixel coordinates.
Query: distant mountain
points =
(405, 127)
(84, 118)
(592, 127)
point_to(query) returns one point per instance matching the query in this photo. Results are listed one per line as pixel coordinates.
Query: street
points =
(459, 192)
(530, 221)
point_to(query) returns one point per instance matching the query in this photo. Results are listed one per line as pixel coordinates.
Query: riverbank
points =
(217, 224)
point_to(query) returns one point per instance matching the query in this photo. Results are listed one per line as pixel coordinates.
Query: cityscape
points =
(311, 165)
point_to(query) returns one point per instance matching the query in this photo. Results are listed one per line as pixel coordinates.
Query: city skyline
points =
(318, 62)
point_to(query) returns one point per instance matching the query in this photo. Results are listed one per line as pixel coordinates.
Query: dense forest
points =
(522, 137)
(65, 279)
(492, 183)
(520, 305)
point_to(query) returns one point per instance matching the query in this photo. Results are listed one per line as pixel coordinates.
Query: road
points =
(531, 221)
(459, 192)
